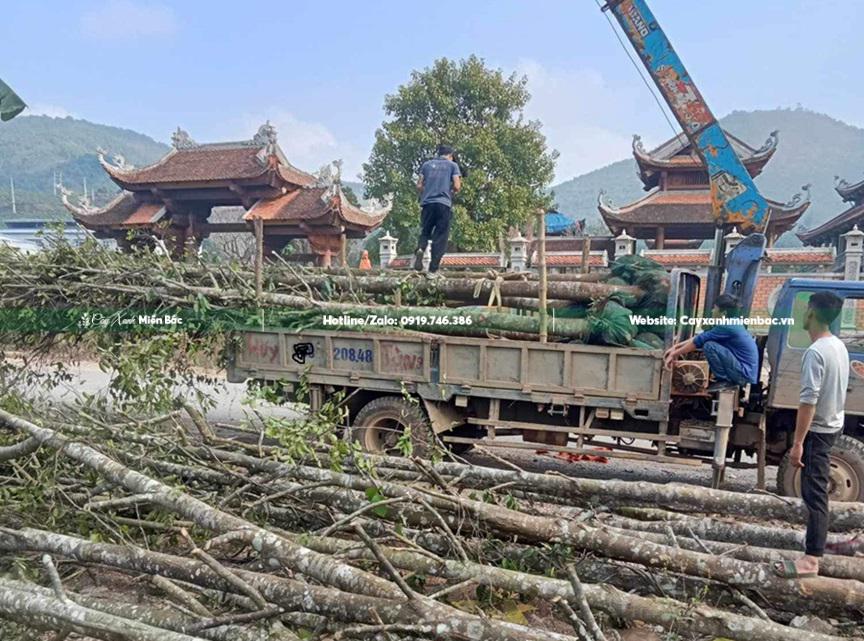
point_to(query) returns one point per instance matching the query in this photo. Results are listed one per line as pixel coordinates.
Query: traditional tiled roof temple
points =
(172, 199)
(831, 231)
(678, 203)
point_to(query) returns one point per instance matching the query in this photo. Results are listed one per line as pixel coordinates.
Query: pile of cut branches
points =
(64, 288)
(153, 529)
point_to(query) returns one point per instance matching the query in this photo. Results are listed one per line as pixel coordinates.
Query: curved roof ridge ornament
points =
(798, 198)
(638, 147)
(376, 207)
(604, 202)
(119, 164)
(181, 139)
(770, 143)
(266, 136)
(329, 174)
(82, 208)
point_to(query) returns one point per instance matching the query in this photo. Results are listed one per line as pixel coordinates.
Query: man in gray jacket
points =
(824, 379)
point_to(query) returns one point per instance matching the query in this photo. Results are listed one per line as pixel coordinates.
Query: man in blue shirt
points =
(439, 179)
(729, 348)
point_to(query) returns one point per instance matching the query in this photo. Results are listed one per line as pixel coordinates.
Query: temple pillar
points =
(853, 248)
(343, 250)
(660, 238)
(325, 246)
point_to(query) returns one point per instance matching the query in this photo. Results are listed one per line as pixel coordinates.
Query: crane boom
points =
(735, 198)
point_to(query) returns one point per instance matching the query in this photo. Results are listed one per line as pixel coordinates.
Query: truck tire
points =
(847, 472)
(382, 421)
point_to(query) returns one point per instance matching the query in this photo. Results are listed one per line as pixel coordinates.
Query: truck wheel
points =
(382, 422)
(847, 472)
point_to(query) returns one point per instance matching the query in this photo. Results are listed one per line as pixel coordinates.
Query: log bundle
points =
(228, 539)
(590, 308)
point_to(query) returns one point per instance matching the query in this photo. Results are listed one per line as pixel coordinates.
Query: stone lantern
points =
(625, 245)
(386, 249)
(518, 252)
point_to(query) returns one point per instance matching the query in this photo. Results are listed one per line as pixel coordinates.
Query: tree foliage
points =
(504, 157)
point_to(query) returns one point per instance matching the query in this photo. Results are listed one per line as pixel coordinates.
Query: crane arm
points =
(735, 198)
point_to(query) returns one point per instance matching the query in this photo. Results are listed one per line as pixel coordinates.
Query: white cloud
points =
(581, 116)
(126, 19)
(308, 145)
(44, 109)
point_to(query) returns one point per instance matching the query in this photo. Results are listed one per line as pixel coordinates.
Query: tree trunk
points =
(816, 595)
(672, 496)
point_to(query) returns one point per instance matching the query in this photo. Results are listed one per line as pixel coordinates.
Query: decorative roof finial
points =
(797, 198)
(266, 135)
(180, 139)
(770, 143)
(329, 174)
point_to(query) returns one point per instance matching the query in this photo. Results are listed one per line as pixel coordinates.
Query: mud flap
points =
(443, 416)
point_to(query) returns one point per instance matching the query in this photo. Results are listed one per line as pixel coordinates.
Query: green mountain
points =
(35, 149)
(813, 149)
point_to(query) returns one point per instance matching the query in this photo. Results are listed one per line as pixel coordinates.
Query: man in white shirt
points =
(824, 379)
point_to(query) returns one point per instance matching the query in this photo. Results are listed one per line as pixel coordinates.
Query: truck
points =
(572, 397)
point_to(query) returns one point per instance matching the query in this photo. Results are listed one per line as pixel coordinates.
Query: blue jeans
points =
(723, 364)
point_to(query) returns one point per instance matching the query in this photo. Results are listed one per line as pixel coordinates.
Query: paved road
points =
(228, 398)
(229, 408)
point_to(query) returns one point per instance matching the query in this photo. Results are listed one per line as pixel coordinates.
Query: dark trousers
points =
(434, 226)
(723, 364)
(814, 489)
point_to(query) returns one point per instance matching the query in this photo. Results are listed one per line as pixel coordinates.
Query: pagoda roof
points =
(686, 214)
(830, 229)
(317, 205)
(849, 192)
(258, 161)
(678, 154)
(124, 211)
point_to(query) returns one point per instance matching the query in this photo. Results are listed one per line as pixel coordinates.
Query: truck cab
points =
(787, 340)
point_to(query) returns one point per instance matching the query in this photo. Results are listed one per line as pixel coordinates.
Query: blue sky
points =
(320, 70)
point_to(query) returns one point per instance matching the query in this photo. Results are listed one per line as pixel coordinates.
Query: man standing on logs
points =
(824, 379)
(439, 179)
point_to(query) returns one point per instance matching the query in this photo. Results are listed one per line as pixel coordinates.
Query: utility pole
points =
(12, 189)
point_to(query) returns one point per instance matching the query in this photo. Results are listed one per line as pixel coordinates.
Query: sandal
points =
(787, 570)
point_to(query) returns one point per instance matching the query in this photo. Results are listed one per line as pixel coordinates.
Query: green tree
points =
(479, 111)
(350, 195)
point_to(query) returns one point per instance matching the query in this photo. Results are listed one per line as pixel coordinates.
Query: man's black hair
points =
(728, 303)
(826, 306)
(445, 150)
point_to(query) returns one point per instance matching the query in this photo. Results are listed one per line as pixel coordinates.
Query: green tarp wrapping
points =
(10, 103)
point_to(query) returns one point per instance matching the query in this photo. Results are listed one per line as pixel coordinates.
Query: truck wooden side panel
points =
(559, 368)
(484, 367)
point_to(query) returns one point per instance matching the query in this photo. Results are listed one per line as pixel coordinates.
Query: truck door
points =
(785, 381)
